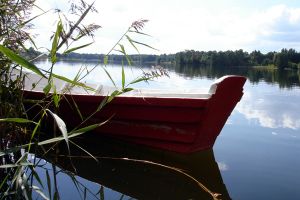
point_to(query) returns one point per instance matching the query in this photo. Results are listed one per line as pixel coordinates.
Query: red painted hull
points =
(173, 123)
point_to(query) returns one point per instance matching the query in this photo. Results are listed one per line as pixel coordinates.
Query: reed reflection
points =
(144, 173)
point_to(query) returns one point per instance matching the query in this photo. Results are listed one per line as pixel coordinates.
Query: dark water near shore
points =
(256, 156)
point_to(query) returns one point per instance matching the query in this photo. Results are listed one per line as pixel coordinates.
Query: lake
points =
(256, 156)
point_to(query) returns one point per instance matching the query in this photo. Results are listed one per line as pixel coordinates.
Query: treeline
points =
(142, 59)
(286, 58)
(283, 59)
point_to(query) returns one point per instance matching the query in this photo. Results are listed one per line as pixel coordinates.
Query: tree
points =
(281, 59)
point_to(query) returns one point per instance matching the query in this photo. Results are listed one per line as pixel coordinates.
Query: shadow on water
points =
(144, 173)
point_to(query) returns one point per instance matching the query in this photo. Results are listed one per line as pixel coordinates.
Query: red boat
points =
(177, 122)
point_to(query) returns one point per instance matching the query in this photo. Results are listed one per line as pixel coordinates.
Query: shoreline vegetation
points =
(23, 136)
(285, 59)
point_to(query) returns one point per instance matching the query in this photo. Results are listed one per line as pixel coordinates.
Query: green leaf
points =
(40, 192)
(107, 73)
(146, 45)
(73, 82)
(130, 41)
(47, 88)
(105, 61)
(138, 32)
(82, 149)
(123, 77)
(26, 22)
(113, 95)
(4, 181)
(17, 120)
(56, 99)
(125, 54)
(55, 41)
(20, 60)
(127, 90)
(76, 48)
(36, 176)
(139, 80)
(62, 127)
(86, 129)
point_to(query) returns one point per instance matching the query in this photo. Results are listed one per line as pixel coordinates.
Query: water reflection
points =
(284, 78)
(145, 173)
(271, 108)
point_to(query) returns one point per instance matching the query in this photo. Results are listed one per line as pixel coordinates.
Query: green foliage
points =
(20, 60)
(16, 184)
(237, 58)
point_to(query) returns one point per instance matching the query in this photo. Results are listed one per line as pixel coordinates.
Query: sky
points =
(176, 25)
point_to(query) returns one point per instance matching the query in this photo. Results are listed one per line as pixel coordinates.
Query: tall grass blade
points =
(26, 22)
(55, 41)
(109, 76)
(82, 16)
(143, 44)
(88, 153)
(76, 48)
(105, 61)
(132, 44)
(72, 134)
(138, 32)
(4, 181)
(47, 88)
(15, 165)
(17, 120)
(35, 131)
(87, 128)
(125, 54)
(113, 95)
(139, 80)
(123, 78)
(10, 150)
(36, 176)
(57, 139)
(40, 192)
(127, 90)
(73, 82)
(101, 193)
(62, 127)
(20, 60)
(49, 184)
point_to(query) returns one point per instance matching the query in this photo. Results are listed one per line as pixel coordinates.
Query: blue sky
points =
(177, 25)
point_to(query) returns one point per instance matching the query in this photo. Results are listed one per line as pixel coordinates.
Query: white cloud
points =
(271, 111)
(223, 166)
(199, 25)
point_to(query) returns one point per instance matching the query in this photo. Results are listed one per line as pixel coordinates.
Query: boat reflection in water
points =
(144, 173)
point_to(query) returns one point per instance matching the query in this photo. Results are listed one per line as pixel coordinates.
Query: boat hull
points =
(177, 124)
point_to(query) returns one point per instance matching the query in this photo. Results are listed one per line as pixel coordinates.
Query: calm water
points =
(256, 156)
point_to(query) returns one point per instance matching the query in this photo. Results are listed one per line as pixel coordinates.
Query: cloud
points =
(280, 24)
(178, 25)
(273, 110)
(223, 166)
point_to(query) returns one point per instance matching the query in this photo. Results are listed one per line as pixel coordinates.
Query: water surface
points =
(256, 155)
